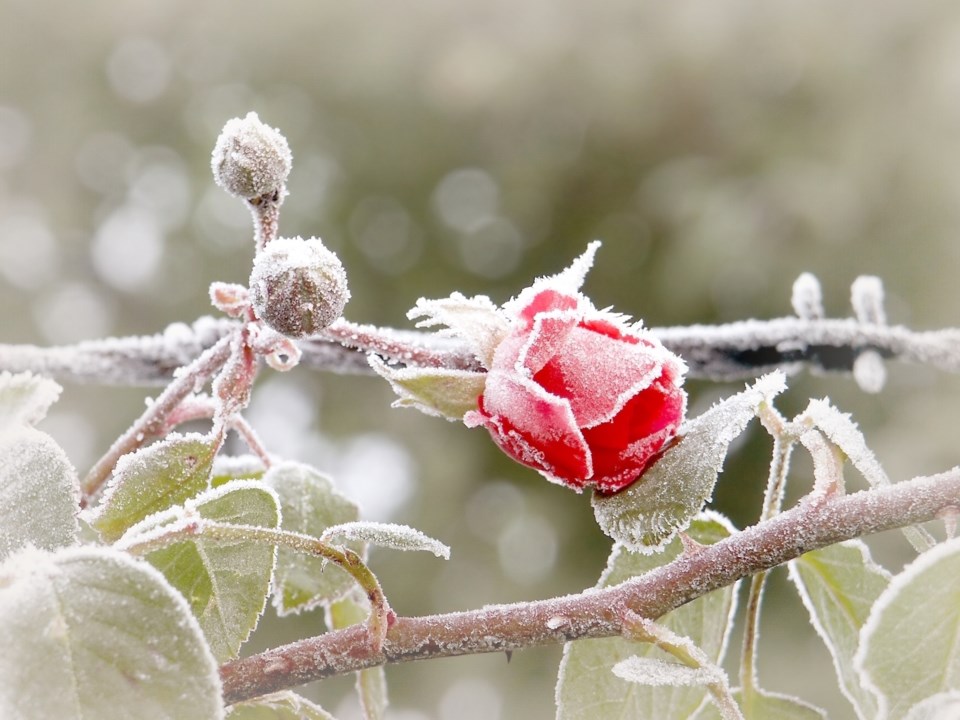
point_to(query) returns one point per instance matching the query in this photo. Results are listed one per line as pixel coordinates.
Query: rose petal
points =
(543, 326)
(533, 427)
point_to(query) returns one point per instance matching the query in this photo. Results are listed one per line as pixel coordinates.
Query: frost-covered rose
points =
(577, 393)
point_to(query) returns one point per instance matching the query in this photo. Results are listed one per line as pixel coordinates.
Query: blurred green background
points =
(717, 148)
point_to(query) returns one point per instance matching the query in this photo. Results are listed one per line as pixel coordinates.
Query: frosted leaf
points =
(652, 510)
(387, 535)
(226, 584)
(653, 671)
(839, 585)
(843, 432)
(236, 467)
(587, 689)
(435, 391)
(569, 280)
(908, 645)
(807, 298)
(762, 705)
(250, 159)
(942, 706)
(284, 705)
(309, 504)
(39, 492)
(92, 633)
(152, 479)
(866, 296)
(477, 320)
(25, 398)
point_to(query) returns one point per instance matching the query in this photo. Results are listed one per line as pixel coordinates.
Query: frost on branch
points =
(650, 512)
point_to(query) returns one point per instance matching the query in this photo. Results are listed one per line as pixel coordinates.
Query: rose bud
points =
(250, 159)
(298, 287)
(578, 395)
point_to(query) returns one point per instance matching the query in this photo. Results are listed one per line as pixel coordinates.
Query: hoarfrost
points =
(869, 371)
(250, 159)
(866, 296)
(807, 298)
(388, 535)
(652, 671)
(25, 398)
(942, 706)
(477, 320)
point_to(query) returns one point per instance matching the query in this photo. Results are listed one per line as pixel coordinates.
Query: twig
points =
(599, 613)
(737, 351)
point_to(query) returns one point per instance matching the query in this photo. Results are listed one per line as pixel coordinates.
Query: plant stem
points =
(153, 418)
(599, 613)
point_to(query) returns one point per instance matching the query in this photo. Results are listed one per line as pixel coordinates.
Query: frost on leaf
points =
(153, 479)
(665, 673)
(435, 391)
(652, 510)
(942, 706)
(908, 645)
(588, 689)
(25, 399)
(39, 492)
(387, 535)
(476, 320)
(309, 504)
(225, 583)
(839, 585)
(92, 633)
(278, 706)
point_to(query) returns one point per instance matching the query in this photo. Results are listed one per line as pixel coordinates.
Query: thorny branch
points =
(735, 351)
(812, 524)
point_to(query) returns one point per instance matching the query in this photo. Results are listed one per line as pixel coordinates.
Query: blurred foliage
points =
(717, 148)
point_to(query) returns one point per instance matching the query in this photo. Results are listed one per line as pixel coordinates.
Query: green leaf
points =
(652, 510)
(278, 706)
(387, 535)
(908, 645)
(839, 585)
(588, 689)
(226, 584)
(434, 391)
(153, 479)
(25, 399)
(39, 492)
(235, 467)
(941, 706)
(767, 706)
(92, 633)
(309, 504)
(352, 609)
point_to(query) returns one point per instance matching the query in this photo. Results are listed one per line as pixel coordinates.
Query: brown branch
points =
(599, 613)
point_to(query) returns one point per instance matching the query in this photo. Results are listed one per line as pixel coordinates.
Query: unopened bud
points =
(251, 159)
(298, 286)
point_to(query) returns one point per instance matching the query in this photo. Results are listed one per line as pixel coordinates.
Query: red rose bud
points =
(576, 393)
(298, 287)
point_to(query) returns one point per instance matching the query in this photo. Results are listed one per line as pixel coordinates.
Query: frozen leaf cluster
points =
(251, 159)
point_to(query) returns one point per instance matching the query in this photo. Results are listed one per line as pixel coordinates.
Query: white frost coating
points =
(446, 393)
(569, 280)
(477, 320)
(866, 296)
(807, 298)
(650, 671)
(39, 492)
(942, 706)
(388, 535)
(869, 372)
(250, 159)
(25, 398)
(557, 622)
(236, 466)
(647, 514)
(114, 641)
(900, 673)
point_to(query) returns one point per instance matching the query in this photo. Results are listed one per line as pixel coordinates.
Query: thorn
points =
(690, 546)
(950, 514)
(509, 654)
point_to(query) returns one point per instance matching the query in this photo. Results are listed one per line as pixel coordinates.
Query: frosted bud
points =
(866, 296)
(807, 298)
(298, 287)
(250, 159)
